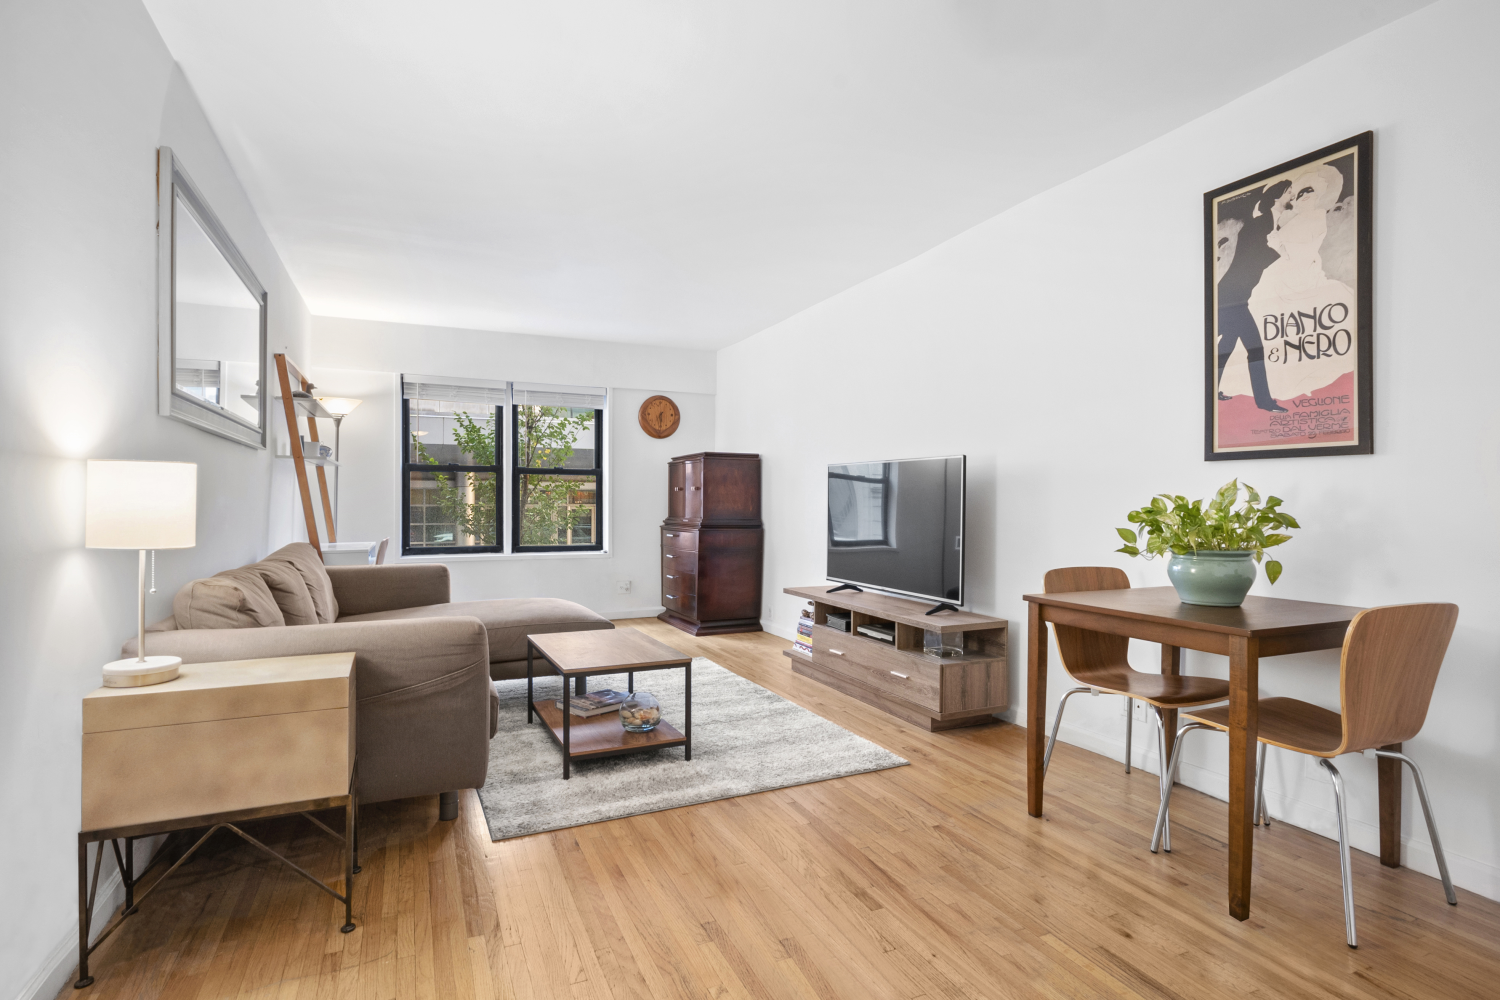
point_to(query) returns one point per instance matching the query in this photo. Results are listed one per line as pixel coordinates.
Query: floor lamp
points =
(143, 506)
(340, 407)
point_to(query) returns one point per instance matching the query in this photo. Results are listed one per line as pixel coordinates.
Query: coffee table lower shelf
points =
(602, 735)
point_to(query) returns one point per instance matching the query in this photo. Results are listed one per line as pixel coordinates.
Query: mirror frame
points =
(172, 182)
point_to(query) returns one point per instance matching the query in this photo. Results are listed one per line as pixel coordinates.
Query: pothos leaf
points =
(1273, 570)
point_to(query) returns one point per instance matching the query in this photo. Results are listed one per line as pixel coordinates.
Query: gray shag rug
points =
(745, 739)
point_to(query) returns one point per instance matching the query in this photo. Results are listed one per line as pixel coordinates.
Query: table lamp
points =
(143, 506)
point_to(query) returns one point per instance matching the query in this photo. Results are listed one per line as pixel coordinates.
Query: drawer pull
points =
(670, 556)
(677, 489)
(671, 577)
(672, 596)
(902, 676)
(837, 652)
(670, 535)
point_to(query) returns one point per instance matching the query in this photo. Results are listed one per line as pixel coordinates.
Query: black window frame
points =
(517, 471)
(408, 467)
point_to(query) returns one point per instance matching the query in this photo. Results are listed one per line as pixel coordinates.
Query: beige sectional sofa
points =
(422, 665)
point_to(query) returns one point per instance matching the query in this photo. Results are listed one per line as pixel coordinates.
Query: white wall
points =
(1060, 345)
(365, 359)
(87, 93)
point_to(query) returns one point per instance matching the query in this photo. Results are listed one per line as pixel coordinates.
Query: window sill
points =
(438, 557)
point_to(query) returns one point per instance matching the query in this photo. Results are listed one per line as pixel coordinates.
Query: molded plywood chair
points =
(1386, 675)
(1097, 661)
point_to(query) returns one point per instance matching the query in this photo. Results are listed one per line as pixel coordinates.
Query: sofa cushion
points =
(507, 621)
(305, 560)
(235, 598)
(289, 591)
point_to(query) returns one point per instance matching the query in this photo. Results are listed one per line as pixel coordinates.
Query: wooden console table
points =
(899, 678)
(1262, 626)
(221, 744)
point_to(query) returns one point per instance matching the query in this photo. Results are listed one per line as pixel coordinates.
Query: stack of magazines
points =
(803, 642)
(594, 703)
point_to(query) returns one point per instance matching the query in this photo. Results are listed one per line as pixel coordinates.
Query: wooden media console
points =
(927, 691)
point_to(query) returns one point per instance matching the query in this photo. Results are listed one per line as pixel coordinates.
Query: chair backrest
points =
(1388, 669)
(380, 551)
(1084, 652)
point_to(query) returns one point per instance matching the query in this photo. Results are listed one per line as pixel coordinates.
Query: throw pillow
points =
(305, 560)
(289, 591)
(235, 598)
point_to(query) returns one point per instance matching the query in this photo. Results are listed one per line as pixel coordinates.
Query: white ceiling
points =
(684, 172)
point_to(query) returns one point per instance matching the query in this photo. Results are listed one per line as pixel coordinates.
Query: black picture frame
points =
(1279, 253)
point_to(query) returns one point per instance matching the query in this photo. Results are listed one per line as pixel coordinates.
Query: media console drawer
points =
(889, 671)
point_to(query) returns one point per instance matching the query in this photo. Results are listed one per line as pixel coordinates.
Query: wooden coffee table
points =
(578, 655)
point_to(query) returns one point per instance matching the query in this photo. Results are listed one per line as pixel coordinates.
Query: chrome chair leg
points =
(1057, 724)
(1344, 863)
(1166, 798)
(1164, 783)
(1261, 814)
(1129, 724)
(1437, 844)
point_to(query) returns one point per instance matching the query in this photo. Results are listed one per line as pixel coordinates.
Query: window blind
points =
(538, 394)
(193, 374)
(473, 391)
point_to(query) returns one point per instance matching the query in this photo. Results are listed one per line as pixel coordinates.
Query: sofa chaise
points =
(423, 665)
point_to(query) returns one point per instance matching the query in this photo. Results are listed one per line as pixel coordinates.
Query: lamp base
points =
(134, 673)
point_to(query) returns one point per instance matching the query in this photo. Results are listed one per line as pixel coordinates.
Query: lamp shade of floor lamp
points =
(142, 506)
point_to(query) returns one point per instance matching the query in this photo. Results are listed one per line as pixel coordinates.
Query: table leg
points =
(1036, 706)
(580, 685)
(529, 694)
(687, 699)
(1171, 666)
(1390, 808)
(567, 714)
(1244, 726)
(84, 979)
(630, 680)
(349, 808)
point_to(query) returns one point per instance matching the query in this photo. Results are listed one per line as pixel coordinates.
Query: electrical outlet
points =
(622, 586)
(1139, 707)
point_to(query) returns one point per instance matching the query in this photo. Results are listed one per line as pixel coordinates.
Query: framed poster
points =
(1287, 274)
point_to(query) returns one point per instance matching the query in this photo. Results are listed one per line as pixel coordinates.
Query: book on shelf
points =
(802, 646)
(885, 633)
(594, 703)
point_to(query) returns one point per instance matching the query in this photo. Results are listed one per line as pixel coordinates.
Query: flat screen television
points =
(899, 526)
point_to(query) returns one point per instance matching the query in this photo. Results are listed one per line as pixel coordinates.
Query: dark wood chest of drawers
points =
(712, 544)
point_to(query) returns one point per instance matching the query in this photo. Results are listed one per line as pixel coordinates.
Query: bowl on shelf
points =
(640, 713)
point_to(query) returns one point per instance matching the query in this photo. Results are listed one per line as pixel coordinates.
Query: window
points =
(557, 440)
(454, 465)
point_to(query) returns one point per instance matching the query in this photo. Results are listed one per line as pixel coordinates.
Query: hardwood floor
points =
(921, 881)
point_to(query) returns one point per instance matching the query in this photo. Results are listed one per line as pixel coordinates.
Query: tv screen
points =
(899, 526)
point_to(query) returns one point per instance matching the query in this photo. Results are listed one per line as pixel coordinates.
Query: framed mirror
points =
(211, 317)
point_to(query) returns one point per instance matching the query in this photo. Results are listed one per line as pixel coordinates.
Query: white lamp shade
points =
(339, 406)
(141, 505)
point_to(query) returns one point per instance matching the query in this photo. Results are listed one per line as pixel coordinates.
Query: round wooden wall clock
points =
(659, 417)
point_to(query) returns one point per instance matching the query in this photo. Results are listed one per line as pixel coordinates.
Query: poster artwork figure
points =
(1285, 265)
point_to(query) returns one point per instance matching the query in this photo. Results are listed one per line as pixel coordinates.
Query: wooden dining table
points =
(1261, 627)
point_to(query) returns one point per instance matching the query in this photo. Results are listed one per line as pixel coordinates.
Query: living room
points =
(827, 235)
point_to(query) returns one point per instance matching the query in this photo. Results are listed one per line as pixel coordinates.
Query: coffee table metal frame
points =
(580, 686)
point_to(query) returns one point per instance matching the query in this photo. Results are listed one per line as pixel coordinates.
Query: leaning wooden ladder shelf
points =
(302, 402)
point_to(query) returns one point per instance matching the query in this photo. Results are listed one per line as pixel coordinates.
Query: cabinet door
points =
(676, 490)
(693, 490)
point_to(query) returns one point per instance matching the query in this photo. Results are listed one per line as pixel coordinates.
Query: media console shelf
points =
(900, 679)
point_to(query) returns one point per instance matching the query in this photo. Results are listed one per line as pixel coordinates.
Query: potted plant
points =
(1210, 545)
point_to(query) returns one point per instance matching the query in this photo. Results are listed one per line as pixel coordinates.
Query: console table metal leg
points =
(84, 979)
(687, 715)
(349, 811)
(630, 680)
(529, 694)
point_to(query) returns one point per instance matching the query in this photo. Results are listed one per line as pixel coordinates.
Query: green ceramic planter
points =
(1215, 579)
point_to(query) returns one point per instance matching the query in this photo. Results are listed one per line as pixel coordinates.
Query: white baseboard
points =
(788, 632)
(1468, 873)
(57, 969)
(615, 616)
